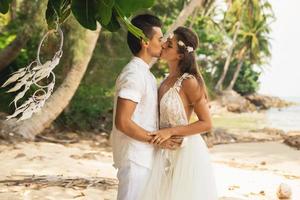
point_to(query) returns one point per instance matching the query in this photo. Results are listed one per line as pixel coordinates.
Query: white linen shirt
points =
(138, 84)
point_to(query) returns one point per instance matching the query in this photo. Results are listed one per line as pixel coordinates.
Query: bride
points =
(185, 173)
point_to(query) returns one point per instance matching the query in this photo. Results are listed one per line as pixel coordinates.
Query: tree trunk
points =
(238, 69)
(195, 14)
(81, 51)
(11, 52)
(219, 85)
(184, 14)
(13, 10)
(33, 11)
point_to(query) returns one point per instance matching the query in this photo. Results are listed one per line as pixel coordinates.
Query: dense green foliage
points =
(91, 107)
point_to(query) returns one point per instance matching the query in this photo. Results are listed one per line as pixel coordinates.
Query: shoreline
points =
(233, 127)
(250, 161)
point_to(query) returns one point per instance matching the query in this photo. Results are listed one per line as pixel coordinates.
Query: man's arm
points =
(123, 121)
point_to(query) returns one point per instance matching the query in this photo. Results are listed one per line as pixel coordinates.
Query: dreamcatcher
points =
(35, 73)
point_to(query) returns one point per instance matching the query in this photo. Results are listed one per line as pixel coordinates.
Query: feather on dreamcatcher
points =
(34, 73)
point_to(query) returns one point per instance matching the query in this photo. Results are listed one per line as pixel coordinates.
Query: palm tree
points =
(253, 37)
(246, 21)
(219, 84)
(232, 23)
(184, 14)
(241, 57)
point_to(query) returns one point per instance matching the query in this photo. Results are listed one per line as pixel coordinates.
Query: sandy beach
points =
(62, 63)
(242, 170)
(255, 170)
(83, 170)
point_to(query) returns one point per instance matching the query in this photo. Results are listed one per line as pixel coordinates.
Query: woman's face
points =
(170, 50)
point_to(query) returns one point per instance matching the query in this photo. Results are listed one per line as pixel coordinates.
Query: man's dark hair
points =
(145, 22)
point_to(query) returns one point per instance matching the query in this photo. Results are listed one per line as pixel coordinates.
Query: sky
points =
(282, 77)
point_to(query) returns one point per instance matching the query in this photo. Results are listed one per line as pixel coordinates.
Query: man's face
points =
(155, 43)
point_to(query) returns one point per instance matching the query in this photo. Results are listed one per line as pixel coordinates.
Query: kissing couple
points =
(158, 153)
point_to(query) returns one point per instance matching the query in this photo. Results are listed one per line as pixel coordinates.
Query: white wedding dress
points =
(185, 173)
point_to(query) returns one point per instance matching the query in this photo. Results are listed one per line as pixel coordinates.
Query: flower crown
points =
(180, 43)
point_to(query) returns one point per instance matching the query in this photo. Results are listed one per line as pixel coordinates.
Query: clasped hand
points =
(165, 139)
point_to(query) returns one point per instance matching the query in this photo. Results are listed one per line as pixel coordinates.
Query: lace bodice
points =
(178, 174)
(172, 112)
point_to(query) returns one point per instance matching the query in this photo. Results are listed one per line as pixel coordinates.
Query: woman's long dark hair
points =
(188, 63)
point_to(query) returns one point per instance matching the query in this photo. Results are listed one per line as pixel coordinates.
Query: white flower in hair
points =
(190, 49)
(171, 35)
(181, 43)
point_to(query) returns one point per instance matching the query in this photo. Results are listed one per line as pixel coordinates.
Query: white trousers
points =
(132, 180)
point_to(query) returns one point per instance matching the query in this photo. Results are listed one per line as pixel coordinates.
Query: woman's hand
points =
(161, 136)
(171, 144)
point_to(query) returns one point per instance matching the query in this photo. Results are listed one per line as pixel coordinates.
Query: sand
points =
(243, 170)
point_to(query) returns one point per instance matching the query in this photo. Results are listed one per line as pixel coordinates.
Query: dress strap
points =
(178, 83)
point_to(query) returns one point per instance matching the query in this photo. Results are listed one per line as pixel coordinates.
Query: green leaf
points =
(4, 6)
(129, 6)
(65, 15)
(84, 12)
(133, 29)
(57, 11)
(113, 25)
(51, 15)
(103, 11)
(65, 10)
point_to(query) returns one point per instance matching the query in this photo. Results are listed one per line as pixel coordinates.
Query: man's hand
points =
(172, 143)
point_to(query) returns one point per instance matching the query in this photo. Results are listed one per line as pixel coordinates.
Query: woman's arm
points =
(196, 96)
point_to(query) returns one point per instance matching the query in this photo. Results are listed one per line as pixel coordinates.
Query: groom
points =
(136, 111)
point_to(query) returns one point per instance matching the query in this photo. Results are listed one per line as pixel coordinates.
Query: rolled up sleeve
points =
(130, 86)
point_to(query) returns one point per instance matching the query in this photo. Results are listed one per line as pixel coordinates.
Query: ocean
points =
(287, 119)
